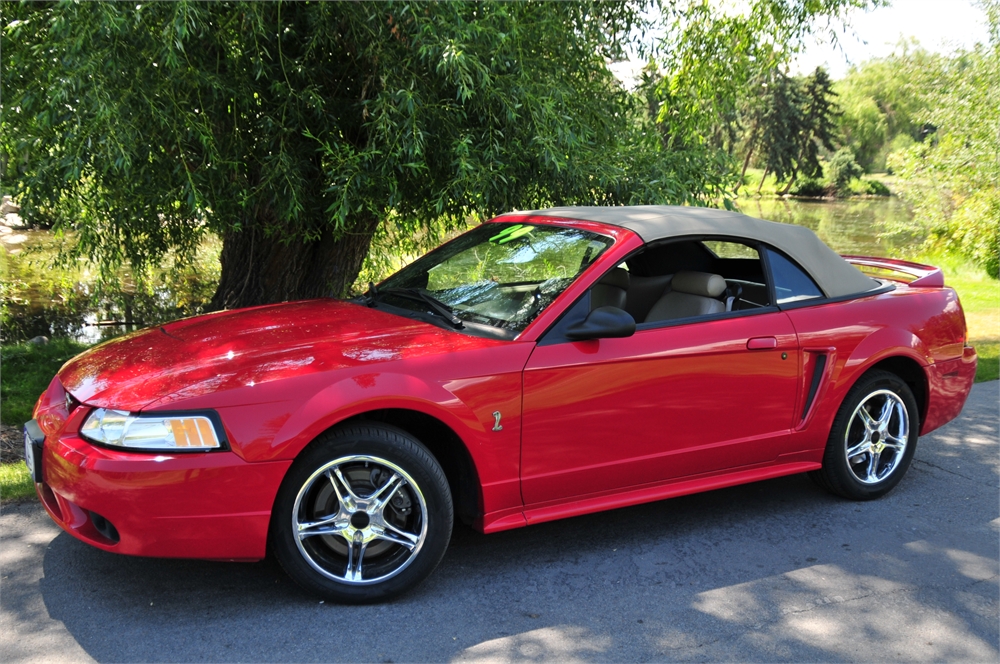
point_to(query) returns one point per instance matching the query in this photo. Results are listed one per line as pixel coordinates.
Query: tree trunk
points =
(762, 178)
(746, 163)
(752, 144)
(795, 170)
(258, 269)
(791, 181)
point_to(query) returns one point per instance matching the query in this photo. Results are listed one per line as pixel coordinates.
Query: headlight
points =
(150, 432)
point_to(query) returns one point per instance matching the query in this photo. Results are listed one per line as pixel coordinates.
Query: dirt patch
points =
(11, 444)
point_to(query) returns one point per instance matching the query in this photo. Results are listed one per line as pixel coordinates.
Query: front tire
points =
(363, 515)
(873, 438)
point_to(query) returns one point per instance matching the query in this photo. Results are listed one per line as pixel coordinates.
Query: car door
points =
(672, 401)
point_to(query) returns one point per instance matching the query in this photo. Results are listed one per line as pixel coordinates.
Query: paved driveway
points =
(777, 570)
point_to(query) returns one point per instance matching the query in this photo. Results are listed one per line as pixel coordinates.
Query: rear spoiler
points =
(914, 274)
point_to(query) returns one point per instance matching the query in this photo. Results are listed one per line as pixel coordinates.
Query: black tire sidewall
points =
(391, 444)
(835, 474)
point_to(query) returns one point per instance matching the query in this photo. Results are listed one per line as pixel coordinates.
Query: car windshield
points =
(500, 275)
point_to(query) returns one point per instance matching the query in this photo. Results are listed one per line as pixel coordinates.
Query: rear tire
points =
(363, 515)
(873, 438)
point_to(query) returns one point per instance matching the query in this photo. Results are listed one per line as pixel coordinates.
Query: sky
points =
(939, 25)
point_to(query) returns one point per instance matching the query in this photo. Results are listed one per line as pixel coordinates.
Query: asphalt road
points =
(773, 571)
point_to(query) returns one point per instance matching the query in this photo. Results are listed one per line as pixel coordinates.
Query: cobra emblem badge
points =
(496, 421)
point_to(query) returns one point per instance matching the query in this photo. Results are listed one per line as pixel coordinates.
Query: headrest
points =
(698, 283)
(618, 277)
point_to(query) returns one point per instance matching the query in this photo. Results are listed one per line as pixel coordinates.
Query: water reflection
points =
(40, 298)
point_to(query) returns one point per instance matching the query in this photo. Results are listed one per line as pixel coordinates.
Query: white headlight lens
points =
(150, 432)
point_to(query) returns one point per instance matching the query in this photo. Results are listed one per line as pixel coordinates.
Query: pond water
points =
(41, 299)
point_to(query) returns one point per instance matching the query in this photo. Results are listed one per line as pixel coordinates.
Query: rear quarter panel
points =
(925, 325)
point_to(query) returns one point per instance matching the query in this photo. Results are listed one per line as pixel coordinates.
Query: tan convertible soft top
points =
(835, 276)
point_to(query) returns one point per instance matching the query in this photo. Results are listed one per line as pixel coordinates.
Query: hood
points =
(247, 347)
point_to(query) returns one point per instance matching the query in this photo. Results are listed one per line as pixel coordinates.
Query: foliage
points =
(711, 61)
(808, 187)
(817, 125)
(304, 126)
(886, 98)
(842, 168)
(782, 126)
(952, 180)
(791, 119)
(867, 187)
(15, 482)
(27, 371)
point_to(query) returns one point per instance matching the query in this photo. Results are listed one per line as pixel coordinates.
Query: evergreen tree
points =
(818, 125)
(782, 125)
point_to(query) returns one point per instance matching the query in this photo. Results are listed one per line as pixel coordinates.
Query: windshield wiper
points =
(437, 305)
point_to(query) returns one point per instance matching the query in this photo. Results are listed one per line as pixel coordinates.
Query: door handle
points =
(758, 343)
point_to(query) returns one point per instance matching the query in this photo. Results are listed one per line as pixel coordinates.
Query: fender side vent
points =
(819, 365)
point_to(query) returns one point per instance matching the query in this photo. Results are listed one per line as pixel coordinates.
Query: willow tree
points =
(293, 130)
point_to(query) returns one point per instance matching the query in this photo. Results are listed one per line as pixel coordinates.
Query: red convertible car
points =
(543, 365)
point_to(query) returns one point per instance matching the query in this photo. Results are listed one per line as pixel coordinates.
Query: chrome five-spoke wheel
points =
(360, 519)
(873, 438)
(877, 436)
(364, 514)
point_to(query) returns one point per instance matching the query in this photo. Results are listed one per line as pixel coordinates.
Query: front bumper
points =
(211, 505)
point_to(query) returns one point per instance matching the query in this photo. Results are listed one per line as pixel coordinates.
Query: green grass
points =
(15, 482)
(989, 360)
(25, 371)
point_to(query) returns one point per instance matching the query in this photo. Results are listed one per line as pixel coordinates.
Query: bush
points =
(974, 230)
(876, 188)
(842, 168)
(808, 187)
(868, 188)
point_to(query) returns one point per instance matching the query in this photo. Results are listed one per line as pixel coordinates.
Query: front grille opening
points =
(105, 527)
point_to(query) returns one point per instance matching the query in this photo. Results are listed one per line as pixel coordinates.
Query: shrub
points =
(865, 187)
(842, 168)
(808, 187)
(974, 229)
(876, 188)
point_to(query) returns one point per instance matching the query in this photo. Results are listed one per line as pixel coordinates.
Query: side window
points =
(791, 284)
(724, 249)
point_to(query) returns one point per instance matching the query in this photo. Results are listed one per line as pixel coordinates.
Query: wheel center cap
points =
(360, 520)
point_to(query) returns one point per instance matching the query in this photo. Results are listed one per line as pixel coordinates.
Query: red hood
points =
(231, 349)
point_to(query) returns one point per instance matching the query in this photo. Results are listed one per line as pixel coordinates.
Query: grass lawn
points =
(15, 482)
(26, 372)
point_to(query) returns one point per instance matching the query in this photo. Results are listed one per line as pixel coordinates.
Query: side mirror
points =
(603, 323)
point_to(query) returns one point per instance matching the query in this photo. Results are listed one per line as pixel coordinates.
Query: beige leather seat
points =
(610, 291)
(691, 294)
